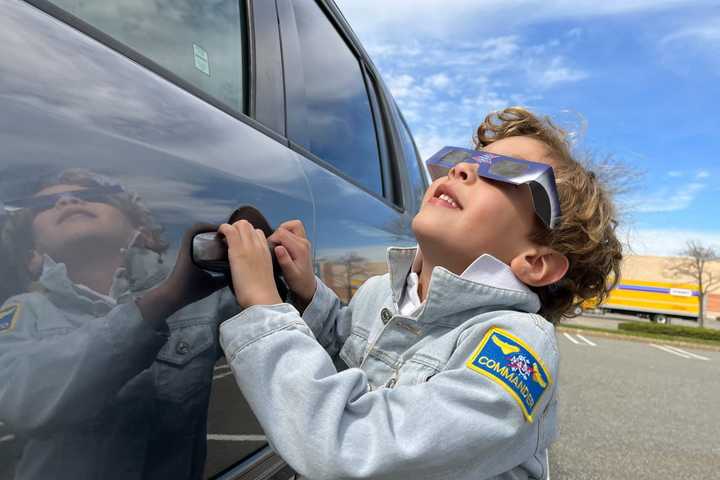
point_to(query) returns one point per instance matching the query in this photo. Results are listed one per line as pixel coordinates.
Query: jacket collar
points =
(450, 295)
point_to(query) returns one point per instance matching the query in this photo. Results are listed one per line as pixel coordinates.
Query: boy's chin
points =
(431, 233)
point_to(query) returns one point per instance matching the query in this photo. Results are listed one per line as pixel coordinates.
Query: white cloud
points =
(665, 242)
(445, 89)
(556, 73)
(439, 80)
(685, 49)
(574, 32)
(706, 32)
(702, 174)
(676, 173)
(666, 199)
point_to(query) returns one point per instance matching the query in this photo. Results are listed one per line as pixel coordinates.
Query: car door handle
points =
(209, 250)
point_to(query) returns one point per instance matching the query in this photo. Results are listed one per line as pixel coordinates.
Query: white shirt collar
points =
(486, 269)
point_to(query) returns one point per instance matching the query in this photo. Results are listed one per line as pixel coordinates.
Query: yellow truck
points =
(658, 301)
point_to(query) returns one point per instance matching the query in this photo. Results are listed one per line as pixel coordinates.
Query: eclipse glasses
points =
(538, 176)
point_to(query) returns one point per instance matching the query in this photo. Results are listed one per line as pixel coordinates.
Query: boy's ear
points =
(539, 266)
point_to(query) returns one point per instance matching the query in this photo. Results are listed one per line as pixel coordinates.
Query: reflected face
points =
(71, 221)
(466, 215)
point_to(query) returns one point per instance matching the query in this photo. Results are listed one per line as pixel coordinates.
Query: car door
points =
(174, 112)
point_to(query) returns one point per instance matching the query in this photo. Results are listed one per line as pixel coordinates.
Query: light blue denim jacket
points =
(94, 391)
(409, 406)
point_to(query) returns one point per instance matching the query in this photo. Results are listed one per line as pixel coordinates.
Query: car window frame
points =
(297, 135)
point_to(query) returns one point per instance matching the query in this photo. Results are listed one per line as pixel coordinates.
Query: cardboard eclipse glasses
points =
(538, 176)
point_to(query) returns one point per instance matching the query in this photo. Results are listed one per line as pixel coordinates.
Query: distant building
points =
(649, 268)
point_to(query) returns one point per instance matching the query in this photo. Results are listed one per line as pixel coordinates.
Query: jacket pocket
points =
(354, 348)
(185, 363)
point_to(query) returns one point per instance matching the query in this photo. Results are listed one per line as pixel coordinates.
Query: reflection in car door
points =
(100, 110)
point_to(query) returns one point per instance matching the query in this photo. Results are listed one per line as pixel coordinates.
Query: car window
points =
(416, 174)
(200, 42)
(339, 122)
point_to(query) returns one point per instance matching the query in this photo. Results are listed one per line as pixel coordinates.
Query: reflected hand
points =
(294, 254)
(250, 264)
(185, 285)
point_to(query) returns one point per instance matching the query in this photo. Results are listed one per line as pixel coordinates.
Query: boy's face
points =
(482, 215)
(70, 221)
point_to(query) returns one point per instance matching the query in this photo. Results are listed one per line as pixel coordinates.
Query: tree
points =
(694, 264)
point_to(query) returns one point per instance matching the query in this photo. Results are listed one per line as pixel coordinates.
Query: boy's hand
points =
(185, 285)
(294, 254)
(250, 264)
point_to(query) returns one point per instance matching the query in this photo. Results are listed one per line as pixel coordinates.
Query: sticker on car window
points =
(202, 61)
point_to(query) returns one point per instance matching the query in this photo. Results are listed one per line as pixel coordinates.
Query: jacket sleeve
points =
(66, 377)
(328, 425)
(330, 320)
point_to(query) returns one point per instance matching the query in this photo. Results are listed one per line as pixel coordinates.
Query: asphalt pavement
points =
(636, 410)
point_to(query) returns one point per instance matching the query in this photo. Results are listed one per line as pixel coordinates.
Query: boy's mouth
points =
(71, 212)
(445, 197)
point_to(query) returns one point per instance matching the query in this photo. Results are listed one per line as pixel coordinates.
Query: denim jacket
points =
(454, 393)
(94, 391)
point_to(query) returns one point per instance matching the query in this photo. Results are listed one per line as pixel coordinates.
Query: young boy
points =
(454, 372)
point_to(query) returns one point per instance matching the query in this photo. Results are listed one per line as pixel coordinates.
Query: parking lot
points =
(636, 410)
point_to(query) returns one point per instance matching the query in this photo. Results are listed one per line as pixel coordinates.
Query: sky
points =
(637, 81)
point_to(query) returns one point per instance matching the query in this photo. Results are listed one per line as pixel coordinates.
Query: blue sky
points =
(638, 80)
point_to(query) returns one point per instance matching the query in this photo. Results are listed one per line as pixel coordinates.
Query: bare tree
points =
(695, 265)
(355, 266)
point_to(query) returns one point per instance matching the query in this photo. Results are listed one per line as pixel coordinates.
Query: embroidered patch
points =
(507, 360)
(8, 315)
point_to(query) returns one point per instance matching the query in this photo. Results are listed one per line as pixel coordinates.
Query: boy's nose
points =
(67, 199)
(464, 171)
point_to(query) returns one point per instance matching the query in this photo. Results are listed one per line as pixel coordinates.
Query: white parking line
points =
(586, 340)
(547, 463)
(693, 355)
(571, 339)
(7, 438)
(236, 438)
(221, 367)
(665, 349)
(222, 375)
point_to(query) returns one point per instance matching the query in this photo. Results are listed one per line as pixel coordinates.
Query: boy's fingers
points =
(286, 263)
(295, 226)
(245, 230)
(228, 231)
(260, 240)
(294, 244)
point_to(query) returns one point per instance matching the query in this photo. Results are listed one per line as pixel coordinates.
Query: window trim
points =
(267, 100)
(112, 43)
(380, 126)
(402, 123)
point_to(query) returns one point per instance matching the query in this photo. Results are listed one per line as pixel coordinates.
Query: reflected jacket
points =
(94, 391)
(464, 389)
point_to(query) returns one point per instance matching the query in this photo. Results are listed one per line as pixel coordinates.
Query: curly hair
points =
(586, 231)
(16, 227)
